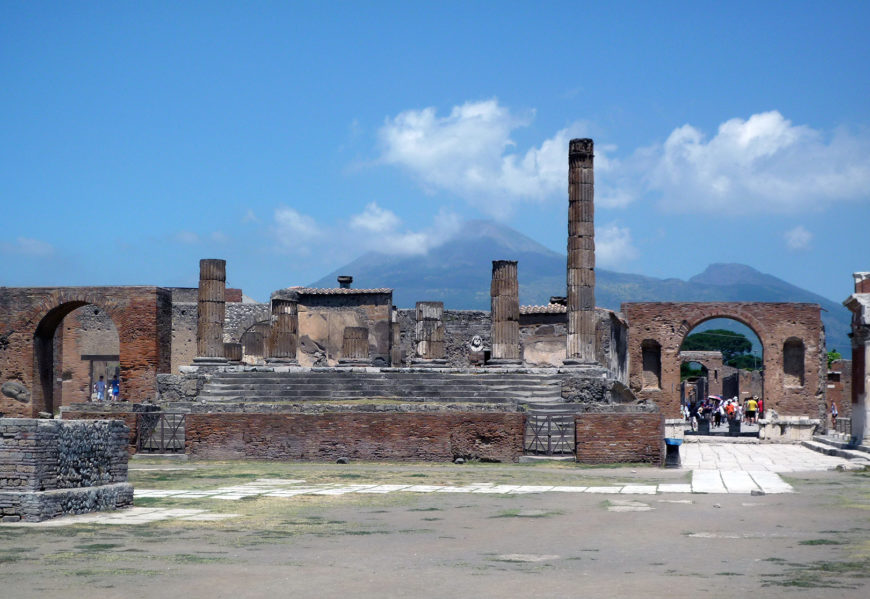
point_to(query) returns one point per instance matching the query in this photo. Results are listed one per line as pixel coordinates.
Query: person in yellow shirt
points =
(751, 410)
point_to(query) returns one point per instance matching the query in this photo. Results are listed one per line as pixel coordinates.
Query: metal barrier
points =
(160, 432)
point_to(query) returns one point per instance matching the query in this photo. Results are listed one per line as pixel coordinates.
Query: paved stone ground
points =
(768, 457)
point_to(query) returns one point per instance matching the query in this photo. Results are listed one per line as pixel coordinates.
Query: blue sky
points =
(288, 138)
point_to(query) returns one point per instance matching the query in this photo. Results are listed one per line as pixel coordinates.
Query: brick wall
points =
(839, 387)
(668, 324)
(404, 436)
(29, 318)
(609, 438)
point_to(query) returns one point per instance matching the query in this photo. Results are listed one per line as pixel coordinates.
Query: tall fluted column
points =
(505, 303)
(211, 308)
(282, 334)
(395, 339)
(429, 334)
(580, 348)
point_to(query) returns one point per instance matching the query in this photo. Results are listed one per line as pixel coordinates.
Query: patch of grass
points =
(527, 514)
(778, 560)
(98, 546)
(94, 572)
(729, 574)
(822, 574)
(820, 542)
(426, 509)
(189, 558)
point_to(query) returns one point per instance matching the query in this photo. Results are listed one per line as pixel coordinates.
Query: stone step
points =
(860, 456)
(839, 443)
(286, 399)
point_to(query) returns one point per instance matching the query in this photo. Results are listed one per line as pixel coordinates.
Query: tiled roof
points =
(338, 291)
(548, 309)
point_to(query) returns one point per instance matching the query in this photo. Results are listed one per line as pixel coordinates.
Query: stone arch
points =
(668, 323)
(29, 317)
(47, 356)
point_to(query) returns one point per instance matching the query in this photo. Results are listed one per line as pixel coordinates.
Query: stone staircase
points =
(835, 444)
(508, 389)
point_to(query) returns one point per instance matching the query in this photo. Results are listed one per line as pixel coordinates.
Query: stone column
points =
(355, 347)
(504, 295)
(395, 339)
(282, 333)
(429, 334)
(859, 304)
(211, 308)
(233, 352)
(580, 348)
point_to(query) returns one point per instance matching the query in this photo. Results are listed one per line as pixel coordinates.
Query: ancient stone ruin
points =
(322, 373)
(50, 468)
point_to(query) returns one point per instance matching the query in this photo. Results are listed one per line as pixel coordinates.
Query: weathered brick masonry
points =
(608, 438)
(400, 436)
(791, 335)
(29, 353)
(129, 418)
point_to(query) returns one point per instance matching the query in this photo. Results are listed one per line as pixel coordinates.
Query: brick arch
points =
(30, 315)
(668, 323)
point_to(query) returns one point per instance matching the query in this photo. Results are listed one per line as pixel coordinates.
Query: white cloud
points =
(380, 230)
(375, 219)
(28, 247)
(187, 237)
(219, 237)
(762, 164)
(470, 153)
(613, 246)
(798, 238)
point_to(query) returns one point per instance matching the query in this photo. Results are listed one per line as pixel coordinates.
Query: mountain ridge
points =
(458, 273)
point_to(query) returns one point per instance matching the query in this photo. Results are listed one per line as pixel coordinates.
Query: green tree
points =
(833, 355)
(731, 344)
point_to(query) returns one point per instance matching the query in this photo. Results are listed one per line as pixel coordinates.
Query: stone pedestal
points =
(505, 314)
(233, 353)
(429, 335)
(283, 332)
(211, 309)
(580, 348)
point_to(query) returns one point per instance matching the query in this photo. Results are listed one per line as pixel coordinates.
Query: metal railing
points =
(160, 432)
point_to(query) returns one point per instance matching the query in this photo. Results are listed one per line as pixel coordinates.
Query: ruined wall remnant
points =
(211, 310)
(581, 254)
(50, 468)
(859, 304)
(324, 314)
(505, 302)
(657, 330)
(31, 316)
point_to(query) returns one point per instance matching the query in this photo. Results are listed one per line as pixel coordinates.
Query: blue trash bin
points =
(672, 455)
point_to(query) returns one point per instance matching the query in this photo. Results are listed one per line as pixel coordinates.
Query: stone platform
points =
(49, 468)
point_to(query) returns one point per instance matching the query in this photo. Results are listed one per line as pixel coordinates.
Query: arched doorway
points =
(732, 353)
(74, 345)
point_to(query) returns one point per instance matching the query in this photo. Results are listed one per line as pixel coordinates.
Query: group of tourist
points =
(100, 389)
(717, 410)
